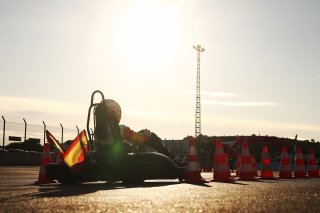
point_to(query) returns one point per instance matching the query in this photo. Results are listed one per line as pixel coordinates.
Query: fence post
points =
(44, 132)
(25, 134)
(62, 133)
(4, 132)
(77, 129)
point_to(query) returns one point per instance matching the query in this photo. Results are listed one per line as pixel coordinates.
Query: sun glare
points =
(147, 34)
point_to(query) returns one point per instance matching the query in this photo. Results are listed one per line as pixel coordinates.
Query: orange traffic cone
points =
(238, 165)
(221, 170)
(266, 172)
(192, 174)
(312, 168)
(245, 171)
(285, 169)
(254, 166)
(45, 159)
(299, 170)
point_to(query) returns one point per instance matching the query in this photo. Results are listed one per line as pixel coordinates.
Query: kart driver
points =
(108, 133)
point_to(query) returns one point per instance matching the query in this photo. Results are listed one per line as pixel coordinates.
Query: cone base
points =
(196, 181)
(267, 175)
(300, 175)
(285, 176)
(269, 178)
(225, 180)
(194, 177)
(248, 177)
(221, 175)
(313, 174)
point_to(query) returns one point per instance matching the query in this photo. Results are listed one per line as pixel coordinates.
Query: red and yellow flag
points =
(76, 153)
(53, 141)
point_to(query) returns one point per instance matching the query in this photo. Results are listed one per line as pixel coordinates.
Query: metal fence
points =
(177, 147)
(11, 131)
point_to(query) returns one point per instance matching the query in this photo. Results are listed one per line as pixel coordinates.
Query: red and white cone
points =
(192, 174)
(221, 169)
(238, 165)
(285, 169)
(266, 172)
(312, 166)
(45, 159)
(245, 172)
(300, 169)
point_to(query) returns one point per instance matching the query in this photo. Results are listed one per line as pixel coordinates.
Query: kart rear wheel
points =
(180, 180)
(66, 181)
(61, 173)
(132, 181)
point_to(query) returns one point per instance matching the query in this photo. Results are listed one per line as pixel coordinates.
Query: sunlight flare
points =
(147, 34)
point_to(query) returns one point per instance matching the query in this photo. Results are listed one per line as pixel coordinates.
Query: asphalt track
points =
(19, 194)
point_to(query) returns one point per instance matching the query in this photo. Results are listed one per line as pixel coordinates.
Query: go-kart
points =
(132, 165)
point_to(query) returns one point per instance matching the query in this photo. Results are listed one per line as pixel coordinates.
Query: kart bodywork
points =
(131, 166)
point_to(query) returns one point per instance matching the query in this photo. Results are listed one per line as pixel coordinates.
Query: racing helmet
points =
(113, 110)
(107, 114)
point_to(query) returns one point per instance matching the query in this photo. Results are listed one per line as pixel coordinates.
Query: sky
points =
(259, 71)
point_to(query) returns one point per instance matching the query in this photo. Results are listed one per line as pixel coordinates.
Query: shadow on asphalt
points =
(237, 183)
(60, 190)
(268, 181)
(201, 184)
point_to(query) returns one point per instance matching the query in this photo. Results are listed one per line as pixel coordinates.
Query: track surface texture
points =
(19, 194)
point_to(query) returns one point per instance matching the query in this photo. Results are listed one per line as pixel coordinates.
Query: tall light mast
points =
(199, 50)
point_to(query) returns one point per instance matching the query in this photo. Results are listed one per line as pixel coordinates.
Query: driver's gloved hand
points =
(156, 143)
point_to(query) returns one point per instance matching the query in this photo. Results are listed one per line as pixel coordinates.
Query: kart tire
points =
(61, 173)
(133, 181)
(66, 181)
(180, 180)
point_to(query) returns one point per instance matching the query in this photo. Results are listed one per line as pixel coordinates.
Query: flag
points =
(76, 153)
(53, 141)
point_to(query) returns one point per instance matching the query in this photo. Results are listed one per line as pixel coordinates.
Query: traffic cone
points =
(238, 165)
(285, 169)
(254, 166)
(312, 166)
(45, 159)
(245, 171)
(192, 174)
(300, 169)
(266, 172)
(221, 169)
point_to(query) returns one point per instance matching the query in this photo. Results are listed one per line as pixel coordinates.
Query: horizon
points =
(259, 71)
(36, 131)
